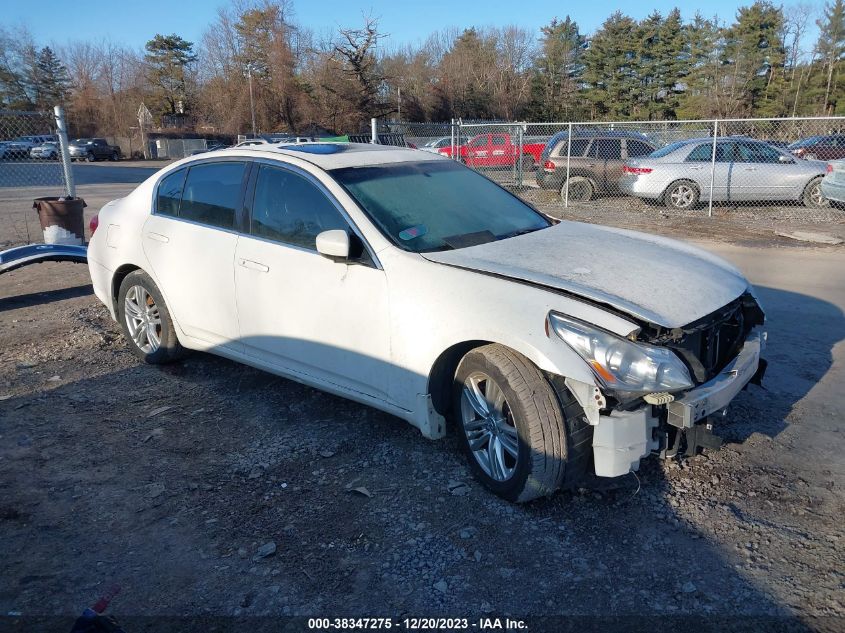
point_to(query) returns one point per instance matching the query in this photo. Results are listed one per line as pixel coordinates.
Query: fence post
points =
(713, 167)
(568, 154)
(374, 131)
(452, 143)
(61, 128)
(519, 159)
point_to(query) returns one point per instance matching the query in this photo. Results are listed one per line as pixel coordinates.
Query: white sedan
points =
(413, 284)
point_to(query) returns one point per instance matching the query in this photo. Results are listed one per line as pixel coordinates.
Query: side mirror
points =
(333, 244)
(785, 159)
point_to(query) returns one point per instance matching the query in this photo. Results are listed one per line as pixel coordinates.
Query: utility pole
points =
(251, 100)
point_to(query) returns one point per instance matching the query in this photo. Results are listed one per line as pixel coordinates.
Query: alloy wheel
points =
(143, 320)
(489, 426)
(682, 196)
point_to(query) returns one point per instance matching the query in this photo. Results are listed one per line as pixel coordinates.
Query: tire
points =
(90, 157)
(581, 189)
(114, 157)
(526, 163)
(547, 442)
(681, 195)
(140, 289)
(812, 196)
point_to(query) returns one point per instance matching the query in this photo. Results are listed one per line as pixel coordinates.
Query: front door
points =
(298, 310)
(190, 242)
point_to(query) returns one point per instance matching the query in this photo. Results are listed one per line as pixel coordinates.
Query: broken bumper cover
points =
(717, 393)
(623, 438)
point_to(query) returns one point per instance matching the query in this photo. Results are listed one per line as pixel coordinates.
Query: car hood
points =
(659, 280)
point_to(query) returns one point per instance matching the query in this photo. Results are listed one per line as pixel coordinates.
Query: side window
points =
(607, 149)
(170, 193)
(498, 140)
(478, 141)
(638, 148)
(211, 194)
(579, 146)
(288, 208)
(703, 153)
(757, 153)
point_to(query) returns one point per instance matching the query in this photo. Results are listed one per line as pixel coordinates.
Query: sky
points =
(134, 23)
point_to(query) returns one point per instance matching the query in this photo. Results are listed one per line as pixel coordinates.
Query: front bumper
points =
(717, 393)
(623, 438)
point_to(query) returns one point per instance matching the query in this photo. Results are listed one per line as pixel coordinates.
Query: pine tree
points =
(702, 85)
(754, 54)
(51, 82)
(557, 72)
(610, 68)
(168, 58)
(831, 48)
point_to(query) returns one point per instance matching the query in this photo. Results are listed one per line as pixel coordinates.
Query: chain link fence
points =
(30, 167)
(769, 169)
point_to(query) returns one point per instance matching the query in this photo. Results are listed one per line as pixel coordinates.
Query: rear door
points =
(478, 151)
(697, 168)
(190, 241)
(502, 152)
(607, 165)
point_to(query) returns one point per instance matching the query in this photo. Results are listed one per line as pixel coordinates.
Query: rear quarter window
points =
(170, 193)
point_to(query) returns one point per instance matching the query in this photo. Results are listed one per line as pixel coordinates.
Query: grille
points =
(710, 343)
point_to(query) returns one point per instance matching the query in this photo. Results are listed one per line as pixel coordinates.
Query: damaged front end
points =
(722, 353)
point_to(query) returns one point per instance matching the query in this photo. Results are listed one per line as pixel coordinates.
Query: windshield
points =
(437, 205)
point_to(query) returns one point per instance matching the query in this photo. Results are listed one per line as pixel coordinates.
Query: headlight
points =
(622, 365)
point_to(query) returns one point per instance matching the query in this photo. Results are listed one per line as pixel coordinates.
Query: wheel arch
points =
(442, 373)
(117, 279)
(675, 182)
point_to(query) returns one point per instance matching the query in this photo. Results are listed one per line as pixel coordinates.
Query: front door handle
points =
(750, 169)
(251, 265)
(158, 237)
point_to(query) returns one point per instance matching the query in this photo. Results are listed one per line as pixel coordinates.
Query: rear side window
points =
(212, 194)
(288, 208)
(170, 193)
(704, 153)
(638, 148)
(579, 146)
(607, 149)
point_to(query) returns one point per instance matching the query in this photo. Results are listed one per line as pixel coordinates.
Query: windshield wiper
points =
(520, 232)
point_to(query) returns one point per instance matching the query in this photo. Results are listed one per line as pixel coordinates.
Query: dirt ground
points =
(174, 482)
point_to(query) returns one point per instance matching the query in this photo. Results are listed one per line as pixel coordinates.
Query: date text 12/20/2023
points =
(417, 624)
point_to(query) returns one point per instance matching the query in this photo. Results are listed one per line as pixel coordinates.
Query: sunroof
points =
(317, 148)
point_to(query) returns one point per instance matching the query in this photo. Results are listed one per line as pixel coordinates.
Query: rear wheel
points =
(813, 197)
(146, 321)
(90, 157)
(524, 436)
(114, 156)
(581, 189)
(681, 195)
(527, 163)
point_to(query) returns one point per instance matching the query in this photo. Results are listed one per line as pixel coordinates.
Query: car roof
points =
(336, 155)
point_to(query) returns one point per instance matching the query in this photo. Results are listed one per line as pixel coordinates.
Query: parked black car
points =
(92, 149)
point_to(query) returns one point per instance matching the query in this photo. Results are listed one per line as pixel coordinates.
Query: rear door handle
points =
(591, 164)
(696, 168)
(251, 265)
(750, 169)
(158, 237)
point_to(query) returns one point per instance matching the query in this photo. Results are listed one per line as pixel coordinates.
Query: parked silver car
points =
(48, 151)
(833, 184)
(679, 175)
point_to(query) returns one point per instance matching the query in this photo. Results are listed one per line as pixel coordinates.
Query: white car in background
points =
(833, 185)
(46, 151)
(446, 141)
(383, 275)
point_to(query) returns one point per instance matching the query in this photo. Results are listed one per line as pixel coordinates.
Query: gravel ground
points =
(211, 489)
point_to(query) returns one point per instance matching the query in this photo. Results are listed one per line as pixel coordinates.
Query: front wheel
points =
(114, 156)
(90, 157)
(813, 196)
(146, 321)
(524, 436)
